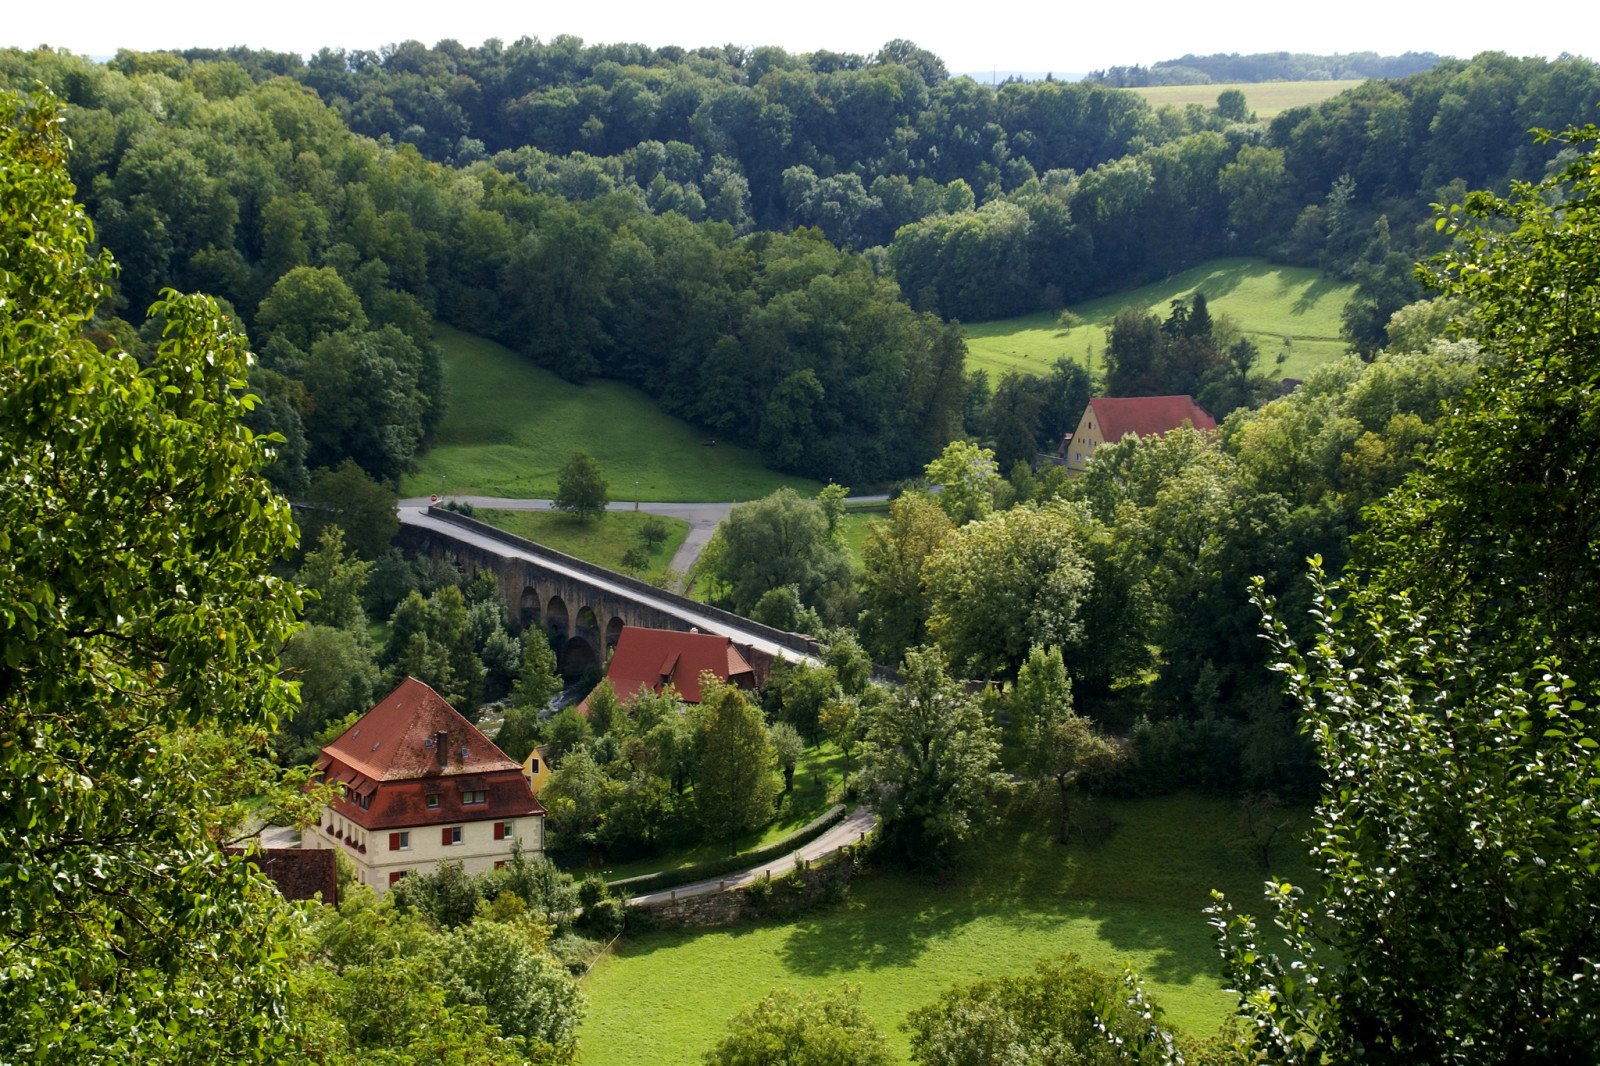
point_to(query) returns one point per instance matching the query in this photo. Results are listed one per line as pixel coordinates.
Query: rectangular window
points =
(395, 875)
(470, 798)
(451, 834)
(533, 766)
(364, 802)
(498, 863)
(433, 800)
(399, 841)
(502, 831)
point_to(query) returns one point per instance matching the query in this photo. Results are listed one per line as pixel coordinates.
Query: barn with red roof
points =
(655, 658)
(418, 783)
(1109, 419)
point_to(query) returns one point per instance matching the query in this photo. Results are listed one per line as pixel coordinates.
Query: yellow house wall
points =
(1086, 440)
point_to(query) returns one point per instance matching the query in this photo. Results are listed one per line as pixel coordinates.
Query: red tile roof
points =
(1148, 416)
(652, 658)
(397, 740)
(298, 874)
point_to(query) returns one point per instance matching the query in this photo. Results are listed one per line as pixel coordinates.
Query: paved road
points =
(703, 518)
(852, 829)
(690, 615)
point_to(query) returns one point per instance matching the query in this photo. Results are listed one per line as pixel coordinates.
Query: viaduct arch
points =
(580, 606)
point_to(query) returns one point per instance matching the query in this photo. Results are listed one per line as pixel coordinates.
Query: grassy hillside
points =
(510, 426)
(1136, 898)
(1265, 98)
(1289, 310)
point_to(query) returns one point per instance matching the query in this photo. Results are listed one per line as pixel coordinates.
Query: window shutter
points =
(395, 875)
(499, 830)
(394, 841)
(446, 837)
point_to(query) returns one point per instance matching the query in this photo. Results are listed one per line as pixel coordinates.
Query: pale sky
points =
(969, 36)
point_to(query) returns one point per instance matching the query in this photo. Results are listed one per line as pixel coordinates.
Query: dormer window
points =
(472, 797)
(433, 801)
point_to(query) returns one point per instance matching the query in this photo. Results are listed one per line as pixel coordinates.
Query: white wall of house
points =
(424, 847)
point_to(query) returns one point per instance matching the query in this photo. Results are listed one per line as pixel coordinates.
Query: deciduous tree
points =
(734, 788)
(137, 613)
(581, 488)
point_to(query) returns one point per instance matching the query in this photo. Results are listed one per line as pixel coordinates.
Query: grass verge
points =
(1137, 898)
(603, 541)
(511, 425)
(1293, 311)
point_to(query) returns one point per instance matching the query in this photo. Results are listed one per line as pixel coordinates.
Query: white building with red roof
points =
(1108, 419)
(420, 784)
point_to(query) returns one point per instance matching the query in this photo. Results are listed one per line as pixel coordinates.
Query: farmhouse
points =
(655, 658)
(1108, 419)
(419, 784)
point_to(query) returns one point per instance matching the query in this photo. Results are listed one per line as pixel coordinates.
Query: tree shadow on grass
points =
(1314, 292)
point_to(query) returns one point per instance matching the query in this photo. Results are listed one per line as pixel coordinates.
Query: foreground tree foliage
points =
(1063, 1014)
(1457, 919)
(1448, 781)
(136, 617)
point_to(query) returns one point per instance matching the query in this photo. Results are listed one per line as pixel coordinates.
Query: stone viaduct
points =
(582, 607)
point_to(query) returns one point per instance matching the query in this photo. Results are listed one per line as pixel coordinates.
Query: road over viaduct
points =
(581, 607)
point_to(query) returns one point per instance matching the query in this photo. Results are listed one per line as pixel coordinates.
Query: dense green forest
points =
(631, 213)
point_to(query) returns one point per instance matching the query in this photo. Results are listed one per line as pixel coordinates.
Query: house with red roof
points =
(418, 784)
(1108, 419)
(655, 658)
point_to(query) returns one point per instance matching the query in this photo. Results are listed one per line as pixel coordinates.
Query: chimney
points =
(439, 749)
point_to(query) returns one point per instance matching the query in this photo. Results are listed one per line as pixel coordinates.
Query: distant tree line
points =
(514, 191)
(1264, 66)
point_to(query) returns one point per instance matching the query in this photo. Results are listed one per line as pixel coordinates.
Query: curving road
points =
(858, 824)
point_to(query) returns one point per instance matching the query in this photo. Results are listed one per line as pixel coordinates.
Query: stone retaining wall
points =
(789, 893)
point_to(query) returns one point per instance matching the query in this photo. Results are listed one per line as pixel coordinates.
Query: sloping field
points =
(1292, 311)
(663, 999)
(511, 425)
(1265, 98)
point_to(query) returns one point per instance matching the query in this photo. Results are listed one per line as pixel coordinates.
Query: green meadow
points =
(1137, 898)
(510, 425)
(602, 541)
(1288, 311)
(1265, 98)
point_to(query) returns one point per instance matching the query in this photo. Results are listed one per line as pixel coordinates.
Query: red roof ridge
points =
(398, 739)
(648, 658)
(1148, 416)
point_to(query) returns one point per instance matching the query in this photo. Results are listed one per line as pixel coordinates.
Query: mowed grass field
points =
(1265, 98)
(1293, 311)
(510, 426)
(603, 541)
(663, 999)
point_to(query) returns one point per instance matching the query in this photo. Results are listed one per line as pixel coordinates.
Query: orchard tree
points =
(766, 544)
(734, 788)
(827, 1030)
(967, 476)
(1001, 585)
(928, 767)
(894, 603)
(581, 488)
(139, 620)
